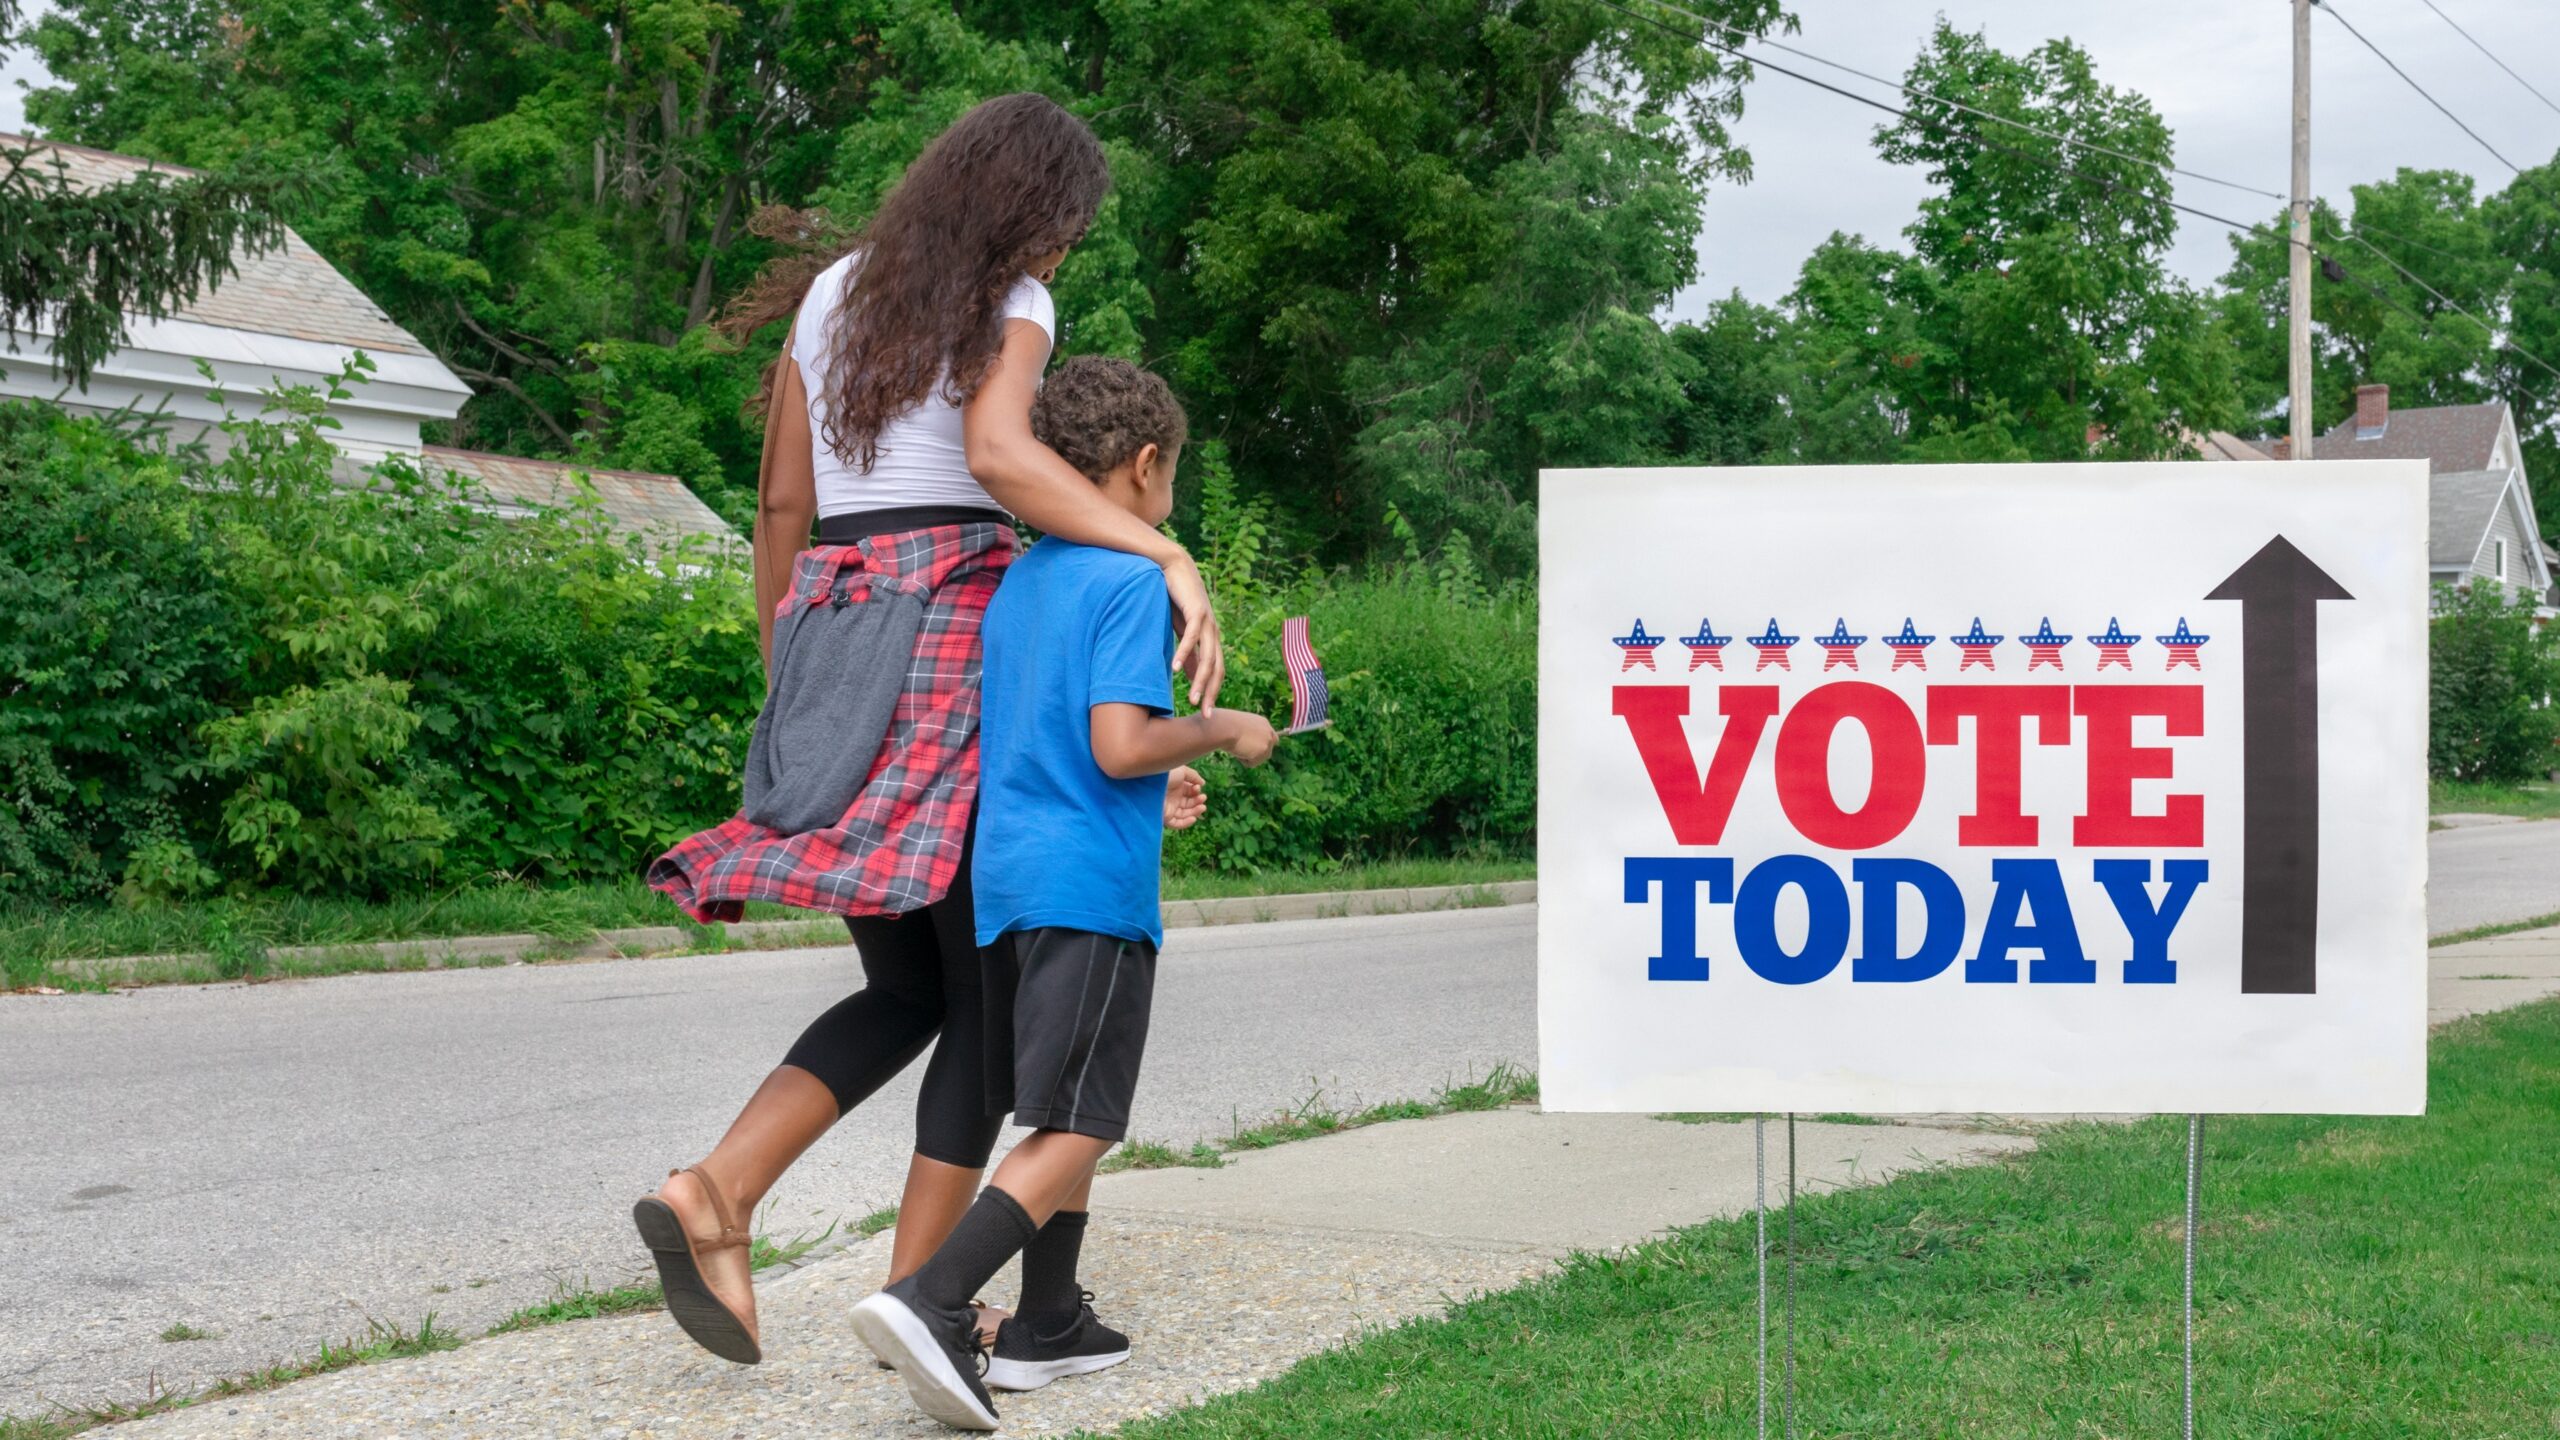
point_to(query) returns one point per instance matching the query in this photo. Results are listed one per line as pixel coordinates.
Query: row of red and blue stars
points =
(1840, 648)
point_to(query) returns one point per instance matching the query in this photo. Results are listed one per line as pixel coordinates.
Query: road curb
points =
(473, 951)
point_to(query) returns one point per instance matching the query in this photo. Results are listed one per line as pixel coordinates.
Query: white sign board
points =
(1984, 788)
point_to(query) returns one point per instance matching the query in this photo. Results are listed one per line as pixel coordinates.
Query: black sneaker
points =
(1026, 1359)
(935, 1351)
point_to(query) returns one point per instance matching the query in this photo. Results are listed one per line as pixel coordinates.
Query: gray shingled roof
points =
(2459, 509)
(285, 291)
(2448, 437)
(652, 504)
(2223, 445)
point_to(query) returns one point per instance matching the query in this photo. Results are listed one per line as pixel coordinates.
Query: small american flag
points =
(1306, 677)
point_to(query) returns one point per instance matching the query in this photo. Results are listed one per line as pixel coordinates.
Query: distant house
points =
(2223, 445)
(2480, 520)
(2481, 526)
(288, 318)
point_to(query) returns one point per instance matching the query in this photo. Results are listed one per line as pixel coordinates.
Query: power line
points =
(1896, 110)
(2493, 56)
(2364, 229)
(2331, 262)
(2332, 12)
(1936, 99)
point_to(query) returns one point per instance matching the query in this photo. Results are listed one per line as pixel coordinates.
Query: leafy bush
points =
(112, 647)
(234, 672)
(237, 672)
(1433, 680)
(2493, 681)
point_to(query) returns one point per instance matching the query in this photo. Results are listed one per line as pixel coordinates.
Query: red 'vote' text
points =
(2001, 720)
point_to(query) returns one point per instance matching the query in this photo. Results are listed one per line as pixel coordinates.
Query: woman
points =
(899, 418)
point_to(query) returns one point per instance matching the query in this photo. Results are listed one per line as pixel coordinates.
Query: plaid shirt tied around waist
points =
(898, 845)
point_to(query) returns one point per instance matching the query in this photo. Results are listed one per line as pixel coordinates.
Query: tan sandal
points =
(702, 1314)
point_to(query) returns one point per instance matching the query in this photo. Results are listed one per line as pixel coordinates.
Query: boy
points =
(1077, 735)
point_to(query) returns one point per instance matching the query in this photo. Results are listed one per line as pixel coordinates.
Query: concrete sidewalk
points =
(2478, 976)
(1225, 1277)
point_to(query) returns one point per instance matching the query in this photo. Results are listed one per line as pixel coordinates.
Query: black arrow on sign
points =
(2279, 591)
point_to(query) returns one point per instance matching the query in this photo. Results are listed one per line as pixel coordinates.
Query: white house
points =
(2480, 521)
(2481, 526)
(288, 318)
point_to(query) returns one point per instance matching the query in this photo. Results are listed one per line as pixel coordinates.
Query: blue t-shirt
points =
(1060, 842)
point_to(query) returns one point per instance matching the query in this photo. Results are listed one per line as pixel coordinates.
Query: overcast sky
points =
(2218, 71)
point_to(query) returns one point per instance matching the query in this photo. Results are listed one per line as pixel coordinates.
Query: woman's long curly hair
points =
(1014, 179)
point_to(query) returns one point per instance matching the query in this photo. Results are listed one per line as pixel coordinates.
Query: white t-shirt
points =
(923, 457)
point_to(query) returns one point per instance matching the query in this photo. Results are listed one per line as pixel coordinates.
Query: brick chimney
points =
(2284, 447)
(2373, 411)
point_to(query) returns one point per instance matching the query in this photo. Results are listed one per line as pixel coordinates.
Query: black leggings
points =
(920, 975)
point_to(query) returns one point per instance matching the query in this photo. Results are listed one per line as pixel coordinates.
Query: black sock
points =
(1050, 1290)
(994, 1231)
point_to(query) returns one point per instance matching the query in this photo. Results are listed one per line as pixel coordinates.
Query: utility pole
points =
(2299, 406)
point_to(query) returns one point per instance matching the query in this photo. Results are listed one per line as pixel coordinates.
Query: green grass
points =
(2534, 800)
(2373, 1277)
(1502, 1085)
(569, 913)
(2484, 932)
(236, 938)
(1156, 1155)
(379, 1342)
(182, 1331)
(583, 1303)
(1382, 875)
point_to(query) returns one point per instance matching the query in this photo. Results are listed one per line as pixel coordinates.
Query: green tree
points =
(2032, 317)
(2524, 222)
(1737, 386)
(2375, 324)
(1404, 252)
(1317, 202)
(2447, 297)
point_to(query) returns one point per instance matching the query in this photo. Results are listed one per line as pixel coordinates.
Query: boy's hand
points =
(1185, 798)
(1250, 738)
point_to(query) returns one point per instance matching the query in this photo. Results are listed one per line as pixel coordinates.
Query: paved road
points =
(2492, 875)
(276, 1163)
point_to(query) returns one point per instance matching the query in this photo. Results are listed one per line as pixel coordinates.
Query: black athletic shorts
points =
(1080, 1004)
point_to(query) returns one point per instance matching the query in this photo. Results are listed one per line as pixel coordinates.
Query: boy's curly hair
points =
(1097, 412)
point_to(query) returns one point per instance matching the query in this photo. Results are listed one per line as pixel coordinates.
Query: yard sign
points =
(1974, 788)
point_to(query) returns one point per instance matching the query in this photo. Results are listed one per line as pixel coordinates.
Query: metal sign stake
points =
(1760, 1210)
(2195, 1169)
(1791, 1276)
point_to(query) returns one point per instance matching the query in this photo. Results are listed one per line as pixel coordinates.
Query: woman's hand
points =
(1185, 798)
(1199, 654)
